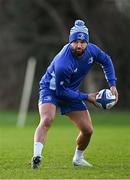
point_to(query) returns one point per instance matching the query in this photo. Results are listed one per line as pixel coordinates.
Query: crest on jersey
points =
(75, 70)
(90, 61)
(61, 83)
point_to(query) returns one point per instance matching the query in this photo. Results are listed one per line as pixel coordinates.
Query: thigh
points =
(47, 104)
(47, 110)
(82, 119)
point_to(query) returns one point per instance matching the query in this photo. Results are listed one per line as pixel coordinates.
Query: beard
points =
(78, 52)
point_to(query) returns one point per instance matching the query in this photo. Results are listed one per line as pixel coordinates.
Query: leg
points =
(47, 113)
(82, 120)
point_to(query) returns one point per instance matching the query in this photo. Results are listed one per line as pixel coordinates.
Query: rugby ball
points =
(105, 99)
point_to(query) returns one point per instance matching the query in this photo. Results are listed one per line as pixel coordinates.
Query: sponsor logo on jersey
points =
(52, 81)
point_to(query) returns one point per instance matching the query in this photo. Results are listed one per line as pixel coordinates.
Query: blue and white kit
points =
(61, 82)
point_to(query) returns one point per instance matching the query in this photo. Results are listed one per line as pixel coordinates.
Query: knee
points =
(46, 122)
(88, 131)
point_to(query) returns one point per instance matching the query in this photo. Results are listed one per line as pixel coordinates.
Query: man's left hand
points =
(114, 92)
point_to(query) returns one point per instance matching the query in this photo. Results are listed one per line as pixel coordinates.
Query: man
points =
(59, 87)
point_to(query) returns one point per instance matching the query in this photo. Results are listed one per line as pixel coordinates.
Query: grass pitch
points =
(108, 151)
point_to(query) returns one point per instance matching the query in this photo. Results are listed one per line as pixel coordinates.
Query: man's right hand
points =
(92, 98)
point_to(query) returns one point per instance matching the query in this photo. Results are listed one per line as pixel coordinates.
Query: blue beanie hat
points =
(79, 31)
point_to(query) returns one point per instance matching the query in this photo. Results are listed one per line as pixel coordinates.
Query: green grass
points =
(109, 149)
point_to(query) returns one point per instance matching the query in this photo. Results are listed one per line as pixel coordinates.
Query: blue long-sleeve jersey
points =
(66, 71)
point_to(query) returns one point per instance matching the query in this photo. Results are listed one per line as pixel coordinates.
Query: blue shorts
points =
(49, 96)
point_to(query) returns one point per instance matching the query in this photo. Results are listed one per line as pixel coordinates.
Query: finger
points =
(113, 92)
(96, 105)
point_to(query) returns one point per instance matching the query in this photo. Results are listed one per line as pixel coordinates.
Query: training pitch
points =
(108, 151)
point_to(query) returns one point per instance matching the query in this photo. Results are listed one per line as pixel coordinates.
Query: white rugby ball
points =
(105, 99)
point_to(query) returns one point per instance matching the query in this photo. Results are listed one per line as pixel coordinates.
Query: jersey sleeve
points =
(105, 61)
(63, 75)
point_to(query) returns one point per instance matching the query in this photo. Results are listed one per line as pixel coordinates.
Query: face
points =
(78, 47)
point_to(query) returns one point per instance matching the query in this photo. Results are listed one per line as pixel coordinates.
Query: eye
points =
(83, 42)
(76, 41)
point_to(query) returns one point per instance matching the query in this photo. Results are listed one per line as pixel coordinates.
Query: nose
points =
(79, 45)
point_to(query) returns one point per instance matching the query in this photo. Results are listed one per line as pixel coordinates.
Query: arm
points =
(63, 75)
(109, 71)
(105, 61)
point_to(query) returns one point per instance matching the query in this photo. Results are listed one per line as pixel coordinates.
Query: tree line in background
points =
(39, 28)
